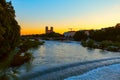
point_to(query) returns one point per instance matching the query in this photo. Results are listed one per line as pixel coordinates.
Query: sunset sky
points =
(34, 15)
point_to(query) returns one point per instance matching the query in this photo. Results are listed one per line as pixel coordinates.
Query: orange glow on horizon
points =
(61, 30)
(65, 14)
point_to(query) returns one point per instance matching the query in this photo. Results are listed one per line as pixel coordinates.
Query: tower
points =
(51, 29)
(46, 29)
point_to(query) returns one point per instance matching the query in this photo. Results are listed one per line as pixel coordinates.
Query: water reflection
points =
(55, 52)
(90, 50)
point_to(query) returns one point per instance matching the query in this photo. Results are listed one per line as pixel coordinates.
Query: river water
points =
(56, 53)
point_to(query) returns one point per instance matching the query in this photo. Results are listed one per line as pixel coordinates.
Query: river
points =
(56, 53)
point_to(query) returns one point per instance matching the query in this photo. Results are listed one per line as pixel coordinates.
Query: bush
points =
(113, 48)
(27, 44)
(104, 44)
(83, 43)
(90, 43)
(19, 59)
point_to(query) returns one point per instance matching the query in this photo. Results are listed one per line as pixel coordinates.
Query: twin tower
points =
(47, 30)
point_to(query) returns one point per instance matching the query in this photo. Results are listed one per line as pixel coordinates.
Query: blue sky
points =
(34, 15)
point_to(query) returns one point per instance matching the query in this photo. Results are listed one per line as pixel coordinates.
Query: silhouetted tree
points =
(110, 33)
(9, 29)
(80, 35)
(52, 34)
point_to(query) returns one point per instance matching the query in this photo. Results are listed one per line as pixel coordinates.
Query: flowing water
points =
(57, 60)
(111, 72)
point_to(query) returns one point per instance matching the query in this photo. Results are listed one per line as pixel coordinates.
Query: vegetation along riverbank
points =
(105, 38)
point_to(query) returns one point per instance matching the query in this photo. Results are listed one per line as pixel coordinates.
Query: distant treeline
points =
(109, 34)
(49, 35)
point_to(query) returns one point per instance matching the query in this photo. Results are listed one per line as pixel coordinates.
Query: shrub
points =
(27, 44)
(83, 43)
(90, 43)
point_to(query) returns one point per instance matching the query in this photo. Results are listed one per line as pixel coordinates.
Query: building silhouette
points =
(47, 30)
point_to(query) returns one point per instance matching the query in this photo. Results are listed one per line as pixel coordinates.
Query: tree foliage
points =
(110, 34)
(80, 35)
(9, 28)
